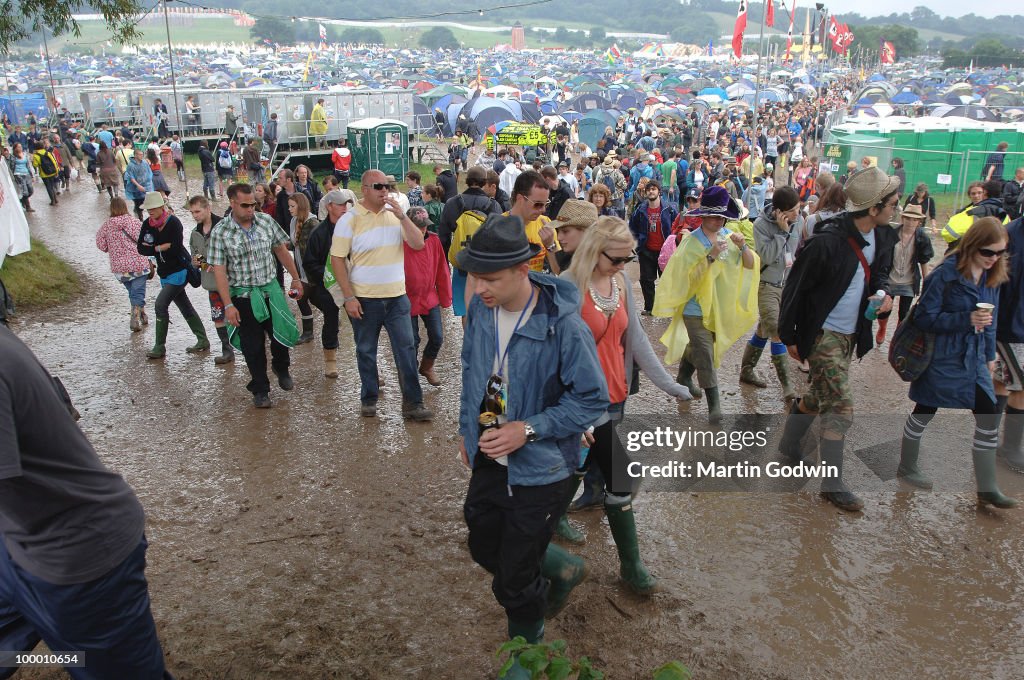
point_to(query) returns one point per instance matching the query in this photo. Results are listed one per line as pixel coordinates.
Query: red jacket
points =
(428, 281)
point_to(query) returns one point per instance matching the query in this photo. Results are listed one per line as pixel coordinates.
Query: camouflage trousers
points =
(830, 395)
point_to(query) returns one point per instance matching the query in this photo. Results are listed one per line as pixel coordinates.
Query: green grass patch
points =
(39, 278)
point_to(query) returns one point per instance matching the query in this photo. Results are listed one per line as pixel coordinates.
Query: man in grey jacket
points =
(776, 236)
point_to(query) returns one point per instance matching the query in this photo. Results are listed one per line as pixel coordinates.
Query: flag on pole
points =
(738, 29)
(888, 52)
(789, 35)
(770, 13)
(323, 32)
(614, 51)
(834, 35)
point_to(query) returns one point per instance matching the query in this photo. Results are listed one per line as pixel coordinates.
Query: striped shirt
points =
(372, 242)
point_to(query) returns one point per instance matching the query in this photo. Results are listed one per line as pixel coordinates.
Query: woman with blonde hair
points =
(608, 309)
(957, 306)
(601, 197)
(118, 237)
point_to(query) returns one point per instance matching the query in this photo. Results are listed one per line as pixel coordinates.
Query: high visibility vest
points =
(959, 224)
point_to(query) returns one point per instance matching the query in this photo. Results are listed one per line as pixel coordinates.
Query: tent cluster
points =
(986, 96)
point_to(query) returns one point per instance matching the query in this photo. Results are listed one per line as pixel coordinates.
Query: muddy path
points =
(307, 542)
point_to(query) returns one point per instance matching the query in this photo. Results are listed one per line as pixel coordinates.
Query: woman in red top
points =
(428, 283)
(266, 200)
(607, 308)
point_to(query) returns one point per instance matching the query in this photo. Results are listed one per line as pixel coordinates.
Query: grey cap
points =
(339, 196)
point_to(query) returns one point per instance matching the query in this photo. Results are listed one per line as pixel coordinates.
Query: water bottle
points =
(874, 302)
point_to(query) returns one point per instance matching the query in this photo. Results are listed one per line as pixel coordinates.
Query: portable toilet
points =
(379, 144)
(932, 166)
(976, 140)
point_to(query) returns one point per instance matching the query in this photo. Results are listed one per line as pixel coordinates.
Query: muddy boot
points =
(136, 323)
(781, 364)
(910, 449)
(685, 377)
(227, 352)
(565, 572)
(714, 406)
(833, 489)
(160, 343)
(143, 316)
(202, 343)
(331, 363)
(593, 491)
(623, 526)
(307, 331)
(985, 474)
(1010, 449)
(417, 412)
(880, 335)
(564, 530)
(748, 376)
(797, 424)
(427, 371)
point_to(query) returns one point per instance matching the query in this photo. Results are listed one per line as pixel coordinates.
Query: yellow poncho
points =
(725, 291)
(318, 121)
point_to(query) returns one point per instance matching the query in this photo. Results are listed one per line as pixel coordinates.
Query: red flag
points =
(789, 35)
(834, 34)
(738, 29)
(888, 52)
(770, 13)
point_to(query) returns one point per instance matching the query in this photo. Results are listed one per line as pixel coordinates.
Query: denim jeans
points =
(435, 332)
(170, 293)
(136, 289)
(393, 315)
(210, 182)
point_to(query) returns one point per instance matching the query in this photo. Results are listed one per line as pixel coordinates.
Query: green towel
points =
(286, 330)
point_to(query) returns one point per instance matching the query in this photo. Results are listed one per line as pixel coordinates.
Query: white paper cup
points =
(983, 307)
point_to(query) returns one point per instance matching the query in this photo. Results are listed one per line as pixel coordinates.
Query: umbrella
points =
(973, 112)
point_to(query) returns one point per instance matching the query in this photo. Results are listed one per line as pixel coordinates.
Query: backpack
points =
(465, 226)
(911, 349)
(224, 160)
(609, 182)
(46, 164)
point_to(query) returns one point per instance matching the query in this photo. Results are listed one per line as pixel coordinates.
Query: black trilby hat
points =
(498, 244)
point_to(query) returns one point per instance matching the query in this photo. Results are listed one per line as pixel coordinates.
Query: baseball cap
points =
(339, 196)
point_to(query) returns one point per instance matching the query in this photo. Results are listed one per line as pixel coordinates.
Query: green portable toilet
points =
(842, 148)
(1008, 134)
(932, 165)
(977, 141)
(904, 145)
(379, 144)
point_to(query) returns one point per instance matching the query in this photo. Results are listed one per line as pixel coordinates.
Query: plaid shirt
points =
(248, 253)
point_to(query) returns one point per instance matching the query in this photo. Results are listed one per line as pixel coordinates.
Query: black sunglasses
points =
(620, 260)
(985, 252)
(380, 186)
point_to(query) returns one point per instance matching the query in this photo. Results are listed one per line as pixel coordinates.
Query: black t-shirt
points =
(64, 517)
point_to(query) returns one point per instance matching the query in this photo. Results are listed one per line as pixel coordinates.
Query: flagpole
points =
(174, 85)
(53, 89)
(760, 57)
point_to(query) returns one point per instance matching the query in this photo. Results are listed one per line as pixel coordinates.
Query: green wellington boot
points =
(985, 473)
(797, 425)
(564, 530)
(565, 572)
(202, 342)
(908, 470)
(533, 633)
(160, 342)
(631, 569)
(781, 363)
(748, 374)
(714, 405)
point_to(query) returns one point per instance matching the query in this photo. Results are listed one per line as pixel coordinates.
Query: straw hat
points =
(866, 188)
(575, 213)
(914, 211)
(154, 199)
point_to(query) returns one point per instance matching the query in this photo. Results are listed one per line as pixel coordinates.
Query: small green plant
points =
(548, 661)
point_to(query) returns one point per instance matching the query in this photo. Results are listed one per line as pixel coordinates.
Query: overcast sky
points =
(870, 8)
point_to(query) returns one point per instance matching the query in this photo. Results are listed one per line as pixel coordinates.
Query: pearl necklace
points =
(606, 305)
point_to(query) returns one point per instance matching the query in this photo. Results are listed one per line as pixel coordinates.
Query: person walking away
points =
(651, 224)
(178, 156)
(161, 238)
(909, 266)
(225, 167)
(315, 257)
(118, 237)
(72, 535)
(199, 241)
(776, 235)
(367, 260)
(300, 226)
(270, 134)
(994, 164)
(251, 161)
(822, 319)
(447, 180)
(138, 181)
(709, 291)
(47, 169)
(522, 470)
(429, 287)
(432, 195)
(208, 166)
(23, 172)
(242, 251)
(159, 183)
(230, 125)
(1009, 376)
(960, 372)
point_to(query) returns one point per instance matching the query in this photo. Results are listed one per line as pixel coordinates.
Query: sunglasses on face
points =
(985, 252)
(620, 260)
(381, 186)
(246, 205)
(538, 205)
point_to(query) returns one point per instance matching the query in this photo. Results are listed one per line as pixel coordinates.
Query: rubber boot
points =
(331, 363)
(985, 474)
(565, 572)
(685, 377)
(797, 424)
(833, 489)
(749, 376)
(427, 371)
(631, 569)
(136, 323)
(227, 352)
(908, 470)
(593, 491)
(202, 343)
(714, 405)
(533, 633)
(160, 343)
(781, 363)
(307, 331)
(1010, 449)
(880, 335)
(564, 530)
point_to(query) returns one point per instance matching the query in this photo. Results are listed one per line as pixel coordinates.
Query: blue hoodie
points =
(556, 381)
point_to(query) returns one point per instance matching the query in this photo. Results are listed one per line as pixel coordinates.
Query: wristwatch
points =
(710, 259)
(531, 434)
(554, 247)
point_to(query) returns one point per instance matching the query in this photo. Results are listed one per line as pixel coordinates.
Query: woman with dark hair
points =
(957, 307)
(913, 251)
(830, 204)
(22, 170)
(110, 176)
(159, 183)
(899, 173)
(922, 198)
(302, 225)
(433, 198)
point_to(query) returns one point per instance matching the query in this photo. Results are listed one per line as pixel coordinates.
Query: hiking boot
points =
(331, 363)
(427, 371)
(261, 400)
(284, 379)
(417, 412)
(368, 410)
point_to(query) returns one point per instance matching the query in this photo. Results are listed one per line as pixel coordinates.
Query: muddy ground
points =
(307, 542)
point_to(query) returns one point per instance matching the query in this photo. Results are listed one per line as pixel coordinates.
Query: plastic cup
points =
(983, 307)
